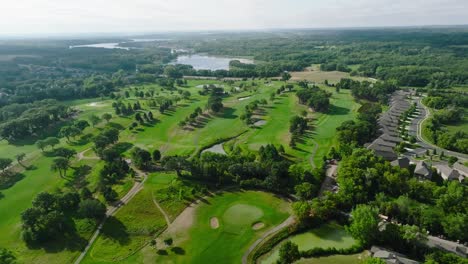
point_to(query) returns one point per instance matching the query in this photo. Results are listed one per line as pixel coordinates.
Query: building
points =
(390, 257)
(423, 170)
(447, 245)
(403, 162)
(447, 173)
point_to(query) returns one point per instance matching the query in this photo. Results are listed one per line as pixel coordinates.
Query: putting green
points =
(242, 214)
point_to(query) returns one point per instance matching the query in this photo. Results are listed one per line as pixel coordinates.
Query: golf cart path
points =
(166, 216)
(112, 209)
(81, 155)
(273, 230)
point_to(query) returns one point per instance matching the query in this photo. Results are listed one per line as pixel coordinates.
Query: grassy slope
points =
(228, 243)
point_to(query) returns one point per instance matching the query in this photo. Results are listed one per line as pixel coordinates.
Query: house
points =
(389, 138)
(423, 170)
(447, 245)
(447, 173)
(383, 151)
(403, 162)
(390, 257)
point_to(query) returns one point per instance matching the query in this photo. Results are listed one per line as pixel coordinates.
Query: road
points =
(111, 210)
(423, 116)
(275, 229)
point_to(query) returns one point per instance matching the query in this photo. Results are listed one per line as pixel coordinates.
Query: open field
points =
(314, 74)
(328, 235)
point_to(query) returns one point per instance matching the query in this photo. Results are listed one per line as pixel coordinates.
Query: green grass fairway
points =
(336, 259)
(328, 235)
(128, 231)
(236, 212)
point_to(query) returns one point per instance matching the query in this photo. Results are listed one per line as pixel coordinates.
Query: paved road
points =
(275, 229)
(111, 210)
(425, 114)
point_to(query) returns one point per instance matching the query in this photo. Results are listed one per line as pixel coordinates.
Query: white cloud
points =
(70, 16)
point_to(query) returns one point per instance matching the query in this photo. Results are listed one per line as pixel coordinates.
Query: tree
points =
(41, 144)
(140, 157)
(301, 210)
(364, 224)
(175, 163)
(107, 117)
(94, 119)
(285, 76)
(61, 165)
(81, 124)
(92, 208)
(6, 256)
(69, 131)
(65, 152)
(20, 157)
(5, 163)
(288, 253)
(452, 160)
(305, 190)
(168, 241)
(156, 155)
(455, 226)
(109, 194)
(52, 141)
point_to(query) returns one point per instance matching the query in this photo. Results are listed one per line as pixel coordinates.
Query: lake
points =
(115, 45)
(205, 62)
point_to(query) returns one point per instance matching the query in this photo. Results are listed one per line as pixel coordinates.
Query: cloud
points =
(70, 16)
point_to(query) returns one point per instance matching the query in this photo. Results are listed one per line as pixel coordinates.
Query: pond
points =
(328, 235)
(205, 62)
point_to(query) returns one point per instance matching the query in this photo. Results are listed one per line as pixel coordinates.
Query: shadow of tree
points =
(8, 179)
(116, 230)
(178, 250)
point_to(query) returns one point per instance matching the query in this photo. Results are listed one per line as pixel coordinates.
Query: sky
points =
(23, 17)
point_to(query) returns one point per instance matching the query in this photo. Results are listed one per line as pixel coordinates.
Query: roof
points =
(381, 142)
(447, 245)
(422, 169)
(401, 162)
(387, 137)
(447, 173)
(390, 256)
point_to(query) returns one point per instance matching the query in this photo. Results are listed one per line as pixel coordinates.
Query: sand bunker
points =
(95, 104)
(244, 98)
(260, 123)
(214, 222)
(218, 148)
(258, 225)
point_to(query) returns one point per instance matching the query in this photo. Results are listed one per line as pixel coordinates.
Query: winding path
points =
(81, 156)
(111, 210)
(166, 216)
(274, 230)
(429, 145)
